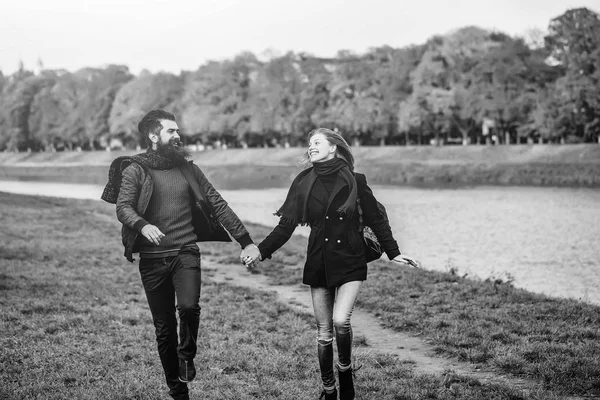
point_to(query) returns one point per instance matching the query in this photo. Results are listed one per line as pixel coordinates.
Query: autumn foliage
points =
(470, 86)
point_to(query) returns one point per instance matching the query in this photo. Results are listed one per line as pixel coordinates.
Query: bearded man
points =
(166, 204)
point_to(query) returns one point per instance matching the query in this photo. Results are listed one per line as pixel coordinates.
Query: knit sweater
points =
(169, 209)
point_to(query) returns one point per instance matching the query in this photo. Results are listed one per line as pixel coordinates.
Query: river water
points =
(546, 239)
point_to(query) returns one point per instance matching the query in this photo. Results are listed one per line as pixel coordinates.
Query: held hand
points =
(402, 259)
(250, 256)
(153, 234)
(252, 263)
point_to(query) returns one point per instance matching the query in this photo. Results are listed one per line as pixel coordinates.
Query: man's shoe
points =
(187, 371)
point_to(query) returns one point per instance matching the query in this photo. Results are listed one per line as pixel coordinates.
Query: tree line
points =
(467, 87)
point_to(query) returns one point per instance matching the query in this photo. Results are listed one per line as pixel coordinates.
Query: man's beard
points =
(173, 151)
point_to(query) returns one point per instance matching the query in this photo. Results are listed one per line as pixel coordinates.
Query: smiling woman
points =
(325, 196)
(320, 149)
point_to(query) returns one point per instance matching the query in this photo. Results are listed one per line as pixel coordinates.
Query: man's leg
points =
(186, 281)
(156, 278)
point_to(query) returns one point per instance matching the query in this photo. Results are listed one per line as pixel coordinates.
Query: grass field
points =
(533, 165)
(553, 341)
(74, 323)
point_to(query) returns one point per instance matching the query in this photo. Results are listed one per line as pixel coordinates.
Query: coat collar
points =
(339, 185)
(319, 193)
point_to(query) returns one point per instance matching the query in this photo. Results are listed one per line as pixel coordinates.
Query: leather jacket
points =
(210, 212)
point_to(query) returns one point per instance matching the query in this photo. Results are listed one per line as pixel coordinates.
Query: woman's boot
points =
(329, 396)
(346, 383)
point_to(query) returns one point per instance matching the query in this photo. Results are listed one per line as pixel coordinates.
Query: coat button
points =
(339, 241)
(327, 239)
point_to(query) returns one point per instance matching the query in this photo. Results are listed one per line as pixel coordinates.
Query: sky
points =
(177, 35)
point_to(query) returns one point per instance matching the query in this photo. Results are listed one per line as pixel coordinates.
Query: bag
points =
(372, 247)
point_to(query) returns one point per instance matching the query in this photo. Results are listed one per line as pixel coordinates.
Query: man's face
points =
(169, 134)
(168, 144)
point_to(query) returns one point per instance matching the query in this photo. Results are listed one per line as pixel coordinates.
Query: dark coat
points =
(335, 253)
(210, 212)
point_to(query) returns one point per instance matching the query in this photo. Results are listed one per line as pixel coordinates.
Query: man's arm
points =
(129, 194)
(227, 217)
(223, 213)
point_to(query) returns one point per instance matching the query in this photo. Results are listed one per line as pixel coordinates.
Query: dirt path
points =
(408, 348)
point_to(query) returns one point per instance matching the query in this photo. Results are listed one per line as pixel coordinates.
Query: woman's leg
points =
(323, 299)
(344, 305)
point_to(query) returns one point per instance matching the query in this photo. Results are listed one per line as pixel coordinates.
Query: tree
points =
(48, 111)
(3, 81)
(500, 80)
(200, 98)
(352, 98)
(18, 97)
(366, 91)
(435, 102)
(393, 83)
(574, 41)
(315, 74)
(89, 122)
(275, 96)
(138, 96)
(217, 98)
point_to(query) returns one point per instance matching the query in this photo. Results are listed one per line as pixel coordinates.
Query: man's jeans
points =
(164, 280)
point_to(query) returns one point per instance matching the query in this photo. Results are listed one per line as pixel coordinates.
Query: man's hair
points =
(343, 149)
(151, 123)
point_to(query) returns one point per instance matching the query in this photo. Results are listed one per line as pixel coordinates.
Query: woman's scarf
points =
(150, 159)
(294, 210)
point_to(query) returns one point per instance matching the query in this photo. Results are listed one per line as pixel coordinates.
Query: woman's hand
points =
(406, 260)
(251, 262)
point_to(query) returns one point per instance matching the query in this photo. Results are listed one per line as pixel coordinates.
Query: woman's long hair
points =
(343, 149)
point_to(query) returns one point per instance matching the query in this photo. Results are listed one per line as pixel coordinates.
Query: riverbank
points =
(54, 300)
(437, 226)
(74, 323)
(529, 165)
(555, 342)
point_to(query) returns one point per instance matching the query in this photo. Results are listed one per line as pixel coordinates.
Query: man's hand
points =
(402, 259)
(250, 256)
(153, 234)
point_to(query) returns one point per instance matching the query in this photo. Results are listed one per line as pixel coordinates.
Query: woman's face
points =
(319, 148)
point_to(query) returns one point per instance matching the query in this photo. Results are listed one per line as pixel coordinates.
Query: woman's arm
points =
(375, 219)
(378, 222)
(277, 238)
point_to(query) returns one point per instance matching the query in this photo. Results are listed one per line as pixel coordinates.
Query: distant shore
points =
(448, 166)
